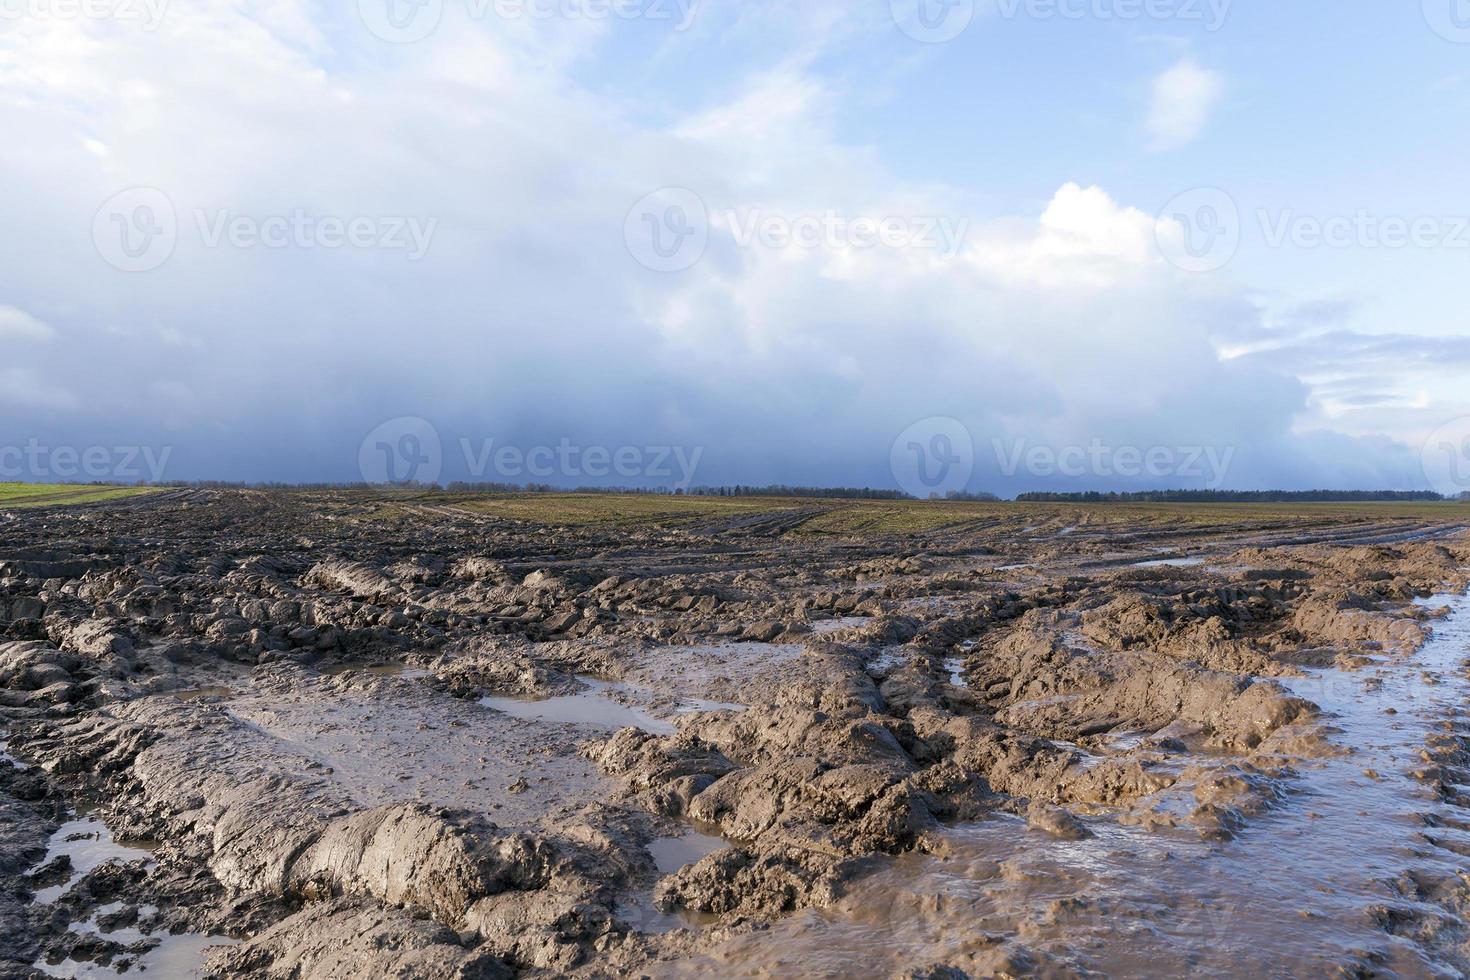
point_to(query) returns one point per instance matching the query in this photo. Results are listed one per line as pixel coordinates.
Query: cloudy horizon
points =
(993, 247)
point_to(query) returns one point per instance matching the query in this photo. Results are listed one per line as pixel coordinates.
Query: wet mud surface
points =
(319, 735)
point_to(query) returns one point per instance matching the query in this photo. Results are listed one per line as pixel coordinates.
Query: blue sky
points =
(1038, 176)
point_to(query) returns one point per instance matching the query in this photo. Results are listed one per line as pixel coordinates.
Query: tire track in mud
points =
(873, 818)
(1358, 868)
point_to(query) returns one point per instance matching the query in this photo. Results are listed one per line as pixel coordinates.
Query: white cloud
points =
(529, 321)
(1182, 99)
(1083, 238)
(19, 325)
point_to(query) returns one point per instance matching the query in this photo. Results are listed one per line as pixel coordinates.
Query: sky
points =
(932, 245)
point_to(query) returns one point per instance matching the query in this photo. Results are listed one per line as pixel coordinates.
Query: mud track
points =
(320, 735)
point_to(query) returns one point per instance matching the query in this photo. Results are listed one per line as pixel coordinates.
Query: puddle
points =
(376, 670)
(205, 694)
(671, 854)
(684, 679)
(1170, 563)
(89, 844)
(694, 706)
(824, 626)
(955, 667)
(923, 604)
(732, 654)
(887, 660)
(640, 913)
(126, 936)
(174, 958)
(5, 756)
(1293, 894)
(591, 707)
(1119, 743)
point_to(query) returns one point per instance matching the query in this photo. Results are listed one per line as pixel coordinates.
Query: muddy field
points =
(335, 735)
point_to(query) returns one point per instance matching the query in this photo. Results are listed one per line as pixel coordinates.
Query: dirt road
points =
(335, 734)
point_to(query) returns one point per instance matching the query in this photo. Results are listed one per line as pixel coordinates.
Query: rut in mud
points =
(1357, 860)
(326, 734)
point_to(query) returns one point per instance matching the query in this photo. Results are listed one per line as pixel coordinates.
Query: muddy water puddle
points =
(603, 705)
(205, 694)
(126, 935)
(824, 626)
(172, 958)
(955, 668)
(693, 706)
(6, 757)
(665, 683)
(593, 707)
(671, 854)
(644, 916)
(887, 660)
(376, 670)
(88, 843)
(1292, 895)
(1171, 563)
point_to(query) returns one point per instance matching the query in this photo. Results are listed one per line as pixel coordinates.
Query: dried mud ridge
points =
(329, 736)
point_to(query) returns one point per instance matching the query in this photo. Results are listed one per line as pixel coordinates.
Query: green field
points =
(806, 515)
(840, 517)
(49, 495)
(594, 508)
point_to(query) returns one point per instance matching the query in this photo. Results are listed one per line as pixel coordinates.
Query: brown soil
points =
(361, 739)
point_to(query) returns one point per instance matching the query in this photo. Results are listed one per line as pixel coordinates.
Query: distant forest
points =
(1234, 496)
(845, 493)
(867, 493)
